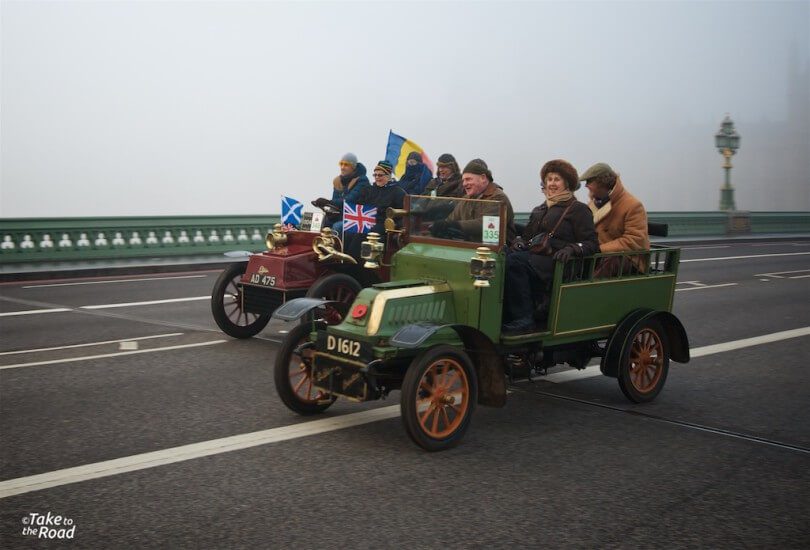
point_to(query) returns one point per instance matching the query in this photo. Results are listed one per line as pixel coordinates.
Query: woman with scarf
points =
(416, 175)
(559, 229)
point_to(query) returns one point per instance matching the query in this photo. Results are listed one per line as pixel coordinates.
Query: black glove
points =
(441, 227)
(518, 244)
(566, 253)
(320, 203)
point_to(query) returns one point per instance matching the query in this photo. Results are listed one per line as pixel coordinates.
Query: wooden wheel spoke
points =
(300, 383)
(423, 419)
(435, 426)
(447, 422)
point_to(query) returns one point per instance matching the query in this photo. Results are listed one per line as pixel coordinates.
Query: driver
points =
(467, 216)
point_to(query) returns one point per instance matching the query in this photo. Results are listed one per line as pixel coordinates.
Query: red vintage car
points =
(295, 264)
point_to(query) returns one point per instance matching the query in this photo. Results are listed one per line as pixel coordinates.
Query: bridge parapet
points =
(55, 239)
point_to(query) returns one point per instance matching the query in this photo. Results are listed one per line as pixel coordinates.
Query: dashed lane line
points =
(140, 280)
(38, 350)
(745, 257)
(703, 287)
(105, 306)
(104, 355)
(34, 311)
(588, 372)
(149, 303)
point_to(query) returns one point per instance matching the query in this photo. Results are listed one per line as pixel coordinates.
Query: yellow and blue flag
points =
(398, 150)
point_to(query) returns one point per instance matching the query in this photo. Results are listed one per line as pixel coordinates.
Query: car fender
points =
(489, 367)
(673, 328)
(298, 307)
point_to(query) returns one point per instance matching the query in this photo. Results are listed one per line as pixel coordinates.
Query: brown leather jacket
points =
(470, 214)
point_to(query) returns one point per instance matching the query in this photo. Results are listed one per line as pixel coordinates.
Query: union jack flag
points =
(358, 218)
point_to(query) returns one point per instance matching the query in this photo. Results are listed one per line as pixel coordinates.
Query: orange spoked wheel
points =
(438, 397)
(645, 362)
(293, 374)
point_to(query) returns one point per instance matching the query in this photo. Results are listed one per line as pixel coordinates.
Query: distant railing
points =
(56, 239)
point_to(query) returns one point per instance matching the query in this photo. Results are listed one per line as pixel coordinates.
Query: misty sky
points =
(178, 108)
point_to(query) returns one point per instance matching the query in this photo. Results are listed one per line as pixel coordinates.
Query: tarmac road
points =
(721, 458)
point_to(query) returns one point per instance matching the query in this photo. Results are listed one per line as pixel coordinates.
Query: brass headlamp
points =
(482, 267)
(275, 238)
(326, 247)
(371, 250)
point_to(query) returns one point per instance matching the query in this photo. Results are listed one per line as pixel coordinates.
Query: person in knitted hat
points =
(383, 194)
(345, 187)
(467, 216)
(620, 218)
(416, 175)
(559, 229)
(447, 182)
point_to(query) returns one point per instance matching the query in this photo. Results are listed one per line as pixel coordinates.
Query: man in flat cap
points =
(620, 218)
(468, 216)
(447, 182)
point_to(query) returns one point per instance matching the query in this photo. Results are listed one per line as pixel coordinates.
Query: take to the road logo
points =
(48, 526)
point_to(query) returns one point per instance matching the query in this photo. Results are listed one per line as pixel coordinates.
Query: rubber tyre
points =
(288, 386)
(226, 305)
(644, 364)
(337, 286)
(431, 422)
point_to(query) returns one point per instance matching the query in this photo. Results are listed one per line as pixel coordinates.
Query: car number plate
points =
(343, 346)
(264, 280)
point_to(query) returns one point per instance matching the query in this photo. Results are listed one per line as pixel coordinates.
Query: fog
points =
(181, 108)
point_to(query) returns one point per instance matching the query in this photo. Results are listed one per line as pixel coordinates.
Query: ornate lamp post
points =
(727, 141)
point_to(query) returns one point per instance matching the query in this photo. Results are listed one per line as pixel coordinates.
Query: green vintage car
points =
(434, 331)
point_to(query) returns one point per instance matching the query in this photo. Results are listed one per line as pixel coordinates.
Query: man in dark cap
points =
(620, 218)
(467, 216)
(416, 176)
(447, 182)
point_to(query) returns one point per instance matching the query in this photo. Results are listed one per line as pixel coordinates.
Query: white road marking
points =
(133, 463)
(588, 372)
(101, 356)
(704, 286)
(118, 281)
(34, 311)
(149, 303)
(37, 350)
(782, 274)
(799, 277)
(143, 461)
(748, 342)
(705, 247)
(745, 257)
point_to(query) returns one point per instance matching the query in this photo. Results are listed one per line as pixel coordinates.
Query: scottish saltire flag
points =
(291, 211)
(398, 150)
(358, 218)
